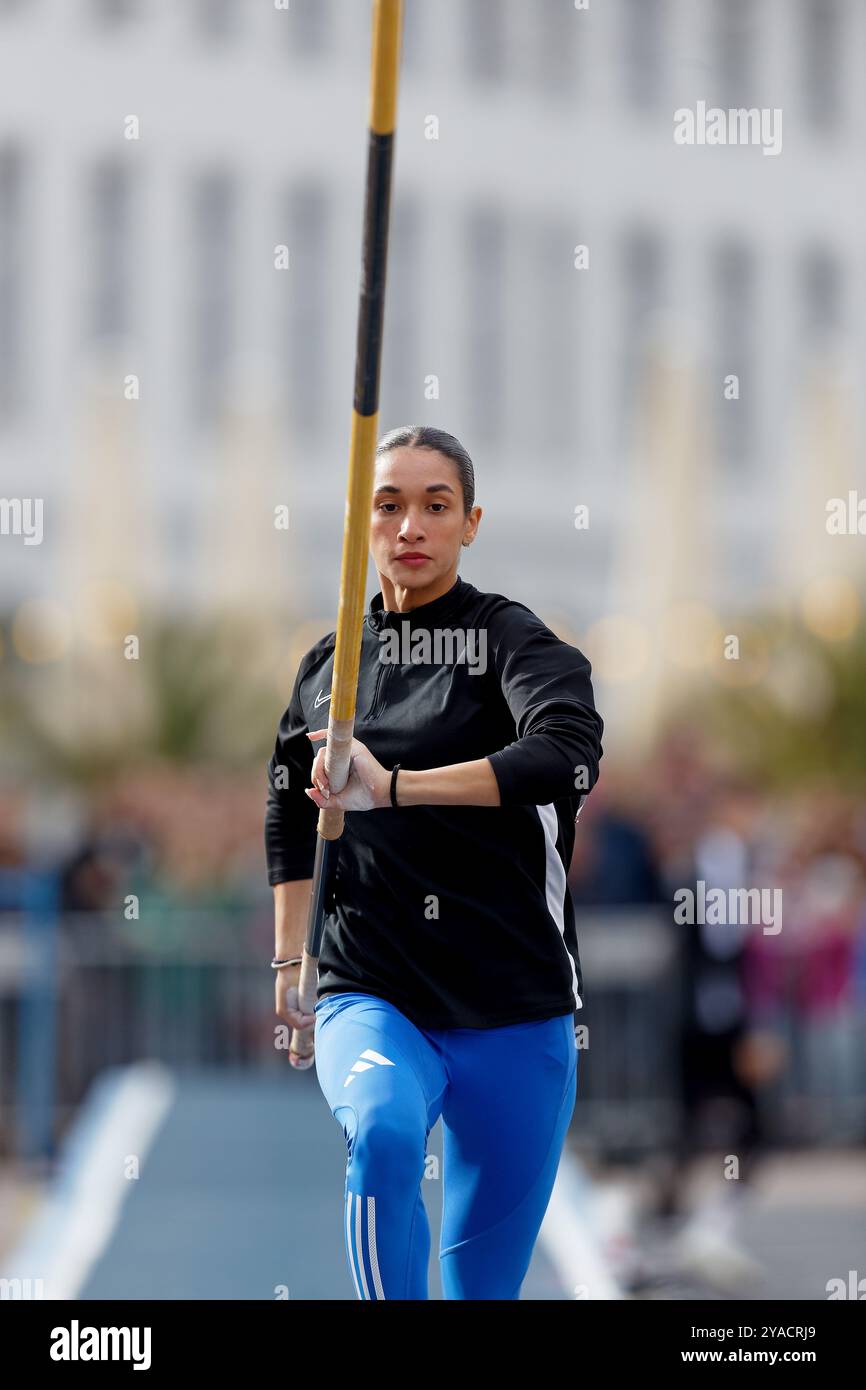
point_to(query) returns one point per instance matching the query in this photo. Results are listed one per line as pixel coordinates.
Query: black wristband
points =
(394, 770)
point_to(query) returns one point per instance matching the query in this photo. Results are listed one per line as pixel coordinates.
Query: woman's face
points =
(418, 510)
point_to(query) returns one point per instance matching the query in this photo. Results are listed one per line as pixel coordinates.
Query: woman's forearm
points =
(462, 784)
(291, 912)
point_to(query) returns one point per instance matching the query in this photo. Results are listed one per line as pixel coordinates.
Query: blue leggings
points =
(506, 1097)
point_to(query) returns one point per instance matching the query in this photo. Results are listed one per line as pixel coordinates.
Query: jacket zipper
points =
(378, 702)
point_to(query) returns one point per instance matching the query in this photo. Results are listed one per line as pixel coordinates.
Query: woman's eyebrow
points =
(433, 487)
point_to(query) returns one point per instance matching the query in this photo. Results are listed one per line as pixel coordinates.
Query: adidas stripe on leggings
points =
(505, 1095)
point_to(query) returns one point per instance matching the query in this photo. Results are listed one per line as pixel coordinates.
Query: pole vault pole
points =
(385, 66)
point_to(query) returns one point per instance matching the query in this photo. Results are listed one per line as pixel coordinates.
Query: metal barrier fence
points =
(629, 1028)
(82, 992)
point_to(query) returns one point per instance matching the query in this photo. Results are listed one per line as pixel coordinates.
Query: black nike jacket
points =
(459, 915)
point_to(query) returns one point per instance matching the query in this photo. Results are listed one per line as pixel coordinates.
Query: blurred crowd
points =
(770, 1022)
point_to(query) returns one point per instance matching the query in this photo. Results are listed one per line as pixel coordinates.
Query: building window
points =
(114, 11)
(642, 291)
(643, 46)
(822, 60)
(12, 241)
(309, 25)
(734, 297)
(485, 321)
(402, 385)
(212, 281)
(218, 19)
(307, 319)
(557, 286)
(485, 38)
(822, 296)
(413, 33)
(109, 251)
(555, 30)
(734, 53)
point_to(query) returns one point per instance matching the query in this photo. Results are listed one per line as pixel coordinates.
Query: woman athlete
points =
(449, 973)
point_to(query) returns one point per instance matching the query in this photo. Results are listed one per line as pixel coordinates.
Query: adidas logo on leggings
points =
(367, 1059)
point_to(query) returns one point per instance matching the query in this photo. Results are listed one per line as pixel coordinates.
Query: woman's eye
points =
(392, 506)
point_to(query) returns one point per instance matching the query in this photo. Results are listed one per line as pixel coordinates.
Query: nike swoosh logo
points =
(320, 699)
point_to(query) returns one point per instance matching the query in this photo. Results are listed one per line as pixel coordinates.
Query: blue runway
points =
(238, 1196)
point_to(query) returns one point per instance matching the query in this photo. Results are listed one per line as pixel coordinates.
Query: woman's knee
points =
(387, 1147)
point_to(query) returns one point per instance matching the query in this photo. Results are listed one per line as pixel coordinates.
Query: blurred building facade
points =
(525, 132)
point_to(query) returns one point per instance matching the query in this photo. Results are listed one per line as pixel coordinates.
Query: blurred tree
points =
(794, 715)
(199, 692)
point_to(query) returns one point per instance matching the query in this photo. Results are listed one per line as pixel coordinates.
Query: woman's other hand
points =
(286, 1001)
(368, 787)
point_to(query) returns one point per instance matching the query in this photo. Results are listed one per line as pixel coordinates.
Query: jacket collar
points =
(430, 614)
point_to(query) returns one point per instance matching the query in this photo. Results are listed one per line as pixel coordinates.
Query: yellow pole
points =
(387, 30)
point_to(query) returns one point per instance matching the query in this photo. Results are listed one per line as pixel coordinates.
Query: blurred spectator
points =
(613, 863)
